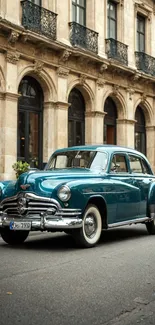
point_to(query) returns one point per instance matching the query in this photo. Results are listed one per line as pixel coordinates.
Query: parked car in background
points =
(82, 191)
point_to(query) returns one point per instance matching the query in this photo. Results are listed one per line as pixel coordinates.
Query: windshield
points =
(78, 159)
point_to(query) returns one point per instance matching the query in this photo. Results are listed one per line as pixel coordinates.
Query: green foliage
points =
(20, 167)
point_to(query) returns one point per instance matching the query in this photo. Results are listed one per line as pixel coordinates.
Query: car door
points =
(128, 196)
(142, 176)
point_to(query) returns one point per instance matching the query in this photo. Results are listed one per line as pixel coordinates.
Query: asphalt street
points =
(48, 280)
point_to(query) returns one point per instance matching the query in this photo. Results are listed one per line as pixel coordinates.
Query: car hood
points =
(43, 182)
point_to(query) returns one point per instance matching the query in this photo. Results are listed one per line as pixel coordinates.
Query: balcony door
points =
(30, 120)
(76, 119)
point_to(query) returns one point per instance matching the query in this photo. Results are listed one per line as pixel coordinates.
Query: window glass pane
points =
(73, 13)
(142, 25)
(142, 43)
(146, 168)
(135, 164)
(81, 2)
(112, 29)
(80, 16)
(112, 10)
(118, 164)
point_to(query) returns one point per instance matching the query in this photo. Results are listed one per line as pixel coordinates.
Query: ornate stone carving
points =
(13, 37)
(38, 67)
(12, 57)
(115, 89)
(83, 78)
(63, 72)
(100, 83)
(143, 97)
(65, 56)
(131, 92)
(103, 68)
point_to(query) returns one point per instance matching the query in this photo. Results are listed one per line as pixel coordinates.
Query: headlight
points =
(64, 193)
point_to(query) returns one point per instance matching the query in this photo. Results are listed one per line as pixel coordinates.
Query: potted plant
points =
(20, 167)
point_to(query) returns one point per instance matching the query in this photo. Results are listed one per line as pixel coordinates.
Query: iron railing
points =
(117, 50)
(83, 37)
(39, 19)
(145, 63)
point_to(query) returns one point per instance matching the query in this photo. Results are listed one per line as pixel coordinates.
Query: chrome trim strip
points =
(129, 222)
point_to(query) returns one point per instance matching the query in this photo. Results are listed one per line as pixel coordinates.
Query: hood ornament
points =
(24, 186)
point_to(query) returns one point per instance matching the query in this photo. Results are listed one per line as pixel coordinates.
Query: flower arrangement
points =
(20, 167)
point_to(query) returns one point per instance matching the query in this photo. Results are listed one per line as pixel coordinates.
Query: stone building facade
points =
(75, 72)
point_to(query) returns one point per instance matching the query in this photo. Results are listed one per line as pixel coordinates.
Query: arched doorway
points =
(110, 121)
(30, 120)
(76, 118)
(140, 131)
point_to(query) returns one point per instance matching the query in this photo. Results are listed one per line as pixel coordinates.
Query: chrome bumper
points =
(56, 222)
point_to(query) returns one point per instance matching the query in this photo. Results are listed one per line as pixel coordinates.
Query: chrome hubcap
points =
(90, 225)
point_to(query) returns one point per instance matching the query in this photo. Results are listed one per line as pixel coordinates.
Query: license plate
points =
(20, 225)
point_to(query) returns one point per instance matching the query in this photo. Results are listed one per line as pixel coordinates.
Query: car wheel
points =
(13, 237)
(90, 233)
(150, 226)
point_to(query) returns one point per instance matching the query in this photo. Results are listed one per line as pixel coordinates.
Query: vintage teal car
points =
(82, 191)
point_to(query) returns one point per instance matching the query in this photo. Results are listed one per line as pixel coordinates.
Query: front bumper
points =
(41, 213)
(44, 223)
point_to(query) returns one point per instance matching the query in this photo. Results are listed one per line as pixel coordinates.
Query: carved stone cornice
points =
(62, 72)
(13, 37)
(12, 57)
(95, 114)
(38, 67)
(140, 7)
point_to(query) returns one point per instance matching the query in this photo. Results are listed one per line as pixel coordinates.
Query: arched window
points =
(30, 119)
(76, 118)
(140, 131)
(110, 121)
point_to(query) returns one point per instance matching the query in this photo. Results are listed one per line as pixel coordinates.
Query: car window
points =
(146, 169)
(118, 164)
(135, 164)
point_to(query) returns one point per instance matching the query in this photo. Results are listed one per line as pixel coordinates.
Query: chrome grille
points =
(34, 204)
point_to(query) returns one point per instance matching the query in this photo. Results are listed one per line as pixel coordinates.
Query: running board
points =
(129, 222)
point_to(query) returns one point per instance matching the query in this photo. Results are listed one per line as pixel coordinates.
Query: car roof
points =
(103, 147)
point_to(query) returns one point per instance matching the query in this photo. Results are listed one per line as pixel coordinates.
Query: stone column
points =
(49, 141)
(9, 118)
(94, 127)
(150, 145)
(61, 124)
(61, 109)
(9, 136)
(125, 132)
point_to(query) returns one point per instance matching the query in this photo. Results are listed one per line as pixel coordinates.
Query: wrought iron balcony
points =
(145, 63)
(117, 50)
(38, 19)
(83, 37)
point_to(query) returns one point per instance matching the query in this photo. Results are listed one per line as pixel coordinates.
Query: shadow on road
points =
(61, 241)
